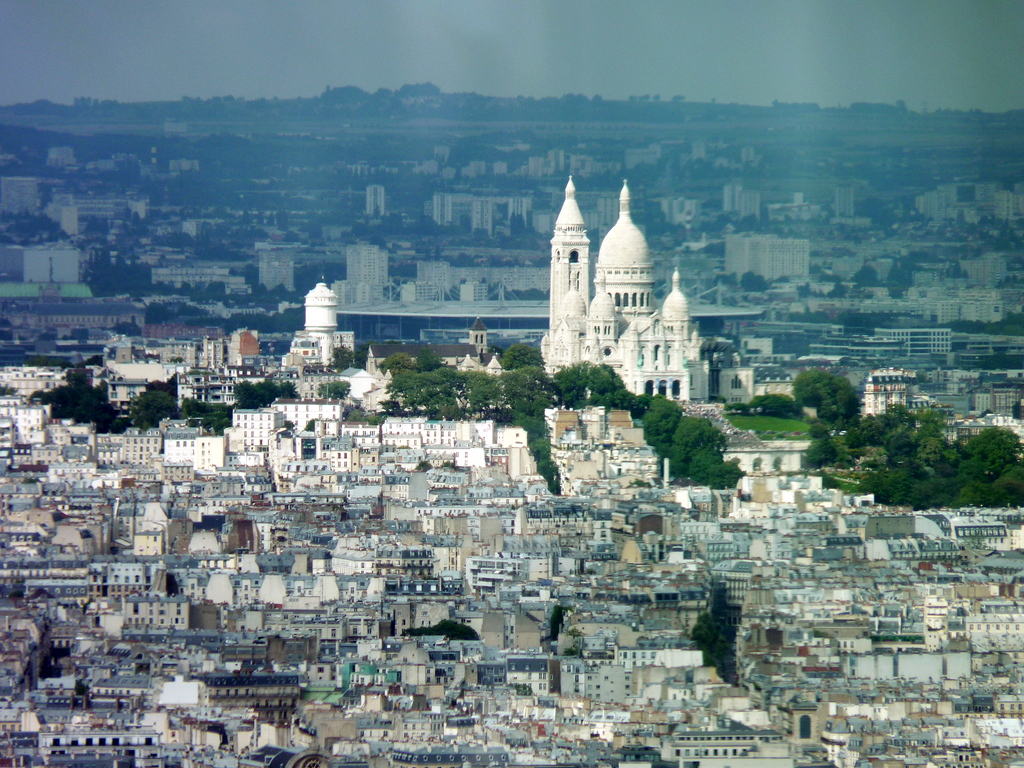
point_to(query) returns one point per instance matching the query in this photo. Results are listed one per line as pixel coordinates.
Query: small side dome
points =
(675, 309)
(603, 305)
(574, 305)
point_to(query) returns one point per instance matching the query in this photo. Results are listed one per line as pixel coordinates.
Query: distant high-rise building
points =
(367, 270)
(749, 204)
(375, 201)
(731, 197)
(60, 157)
(520, 207)
(843, 201)
(442, 209)
(277, 267)
(769, 256)
(482, 215)
(680, 210)
(436, 274)
(19, 194)
(51, 264)
(1008, 205)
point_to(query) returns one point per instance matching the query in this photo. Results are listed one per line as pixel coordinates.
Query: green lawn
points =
(766, 423)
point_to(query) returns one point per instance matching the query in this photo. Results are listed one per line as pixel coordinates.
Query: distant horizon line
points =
(645, 99)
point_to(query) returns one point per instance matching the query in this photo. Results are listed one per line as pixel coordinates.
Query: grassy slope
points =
(767, 423)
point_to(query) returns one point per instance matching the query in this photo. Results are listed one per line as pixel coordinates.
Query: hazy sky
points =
(960, 54)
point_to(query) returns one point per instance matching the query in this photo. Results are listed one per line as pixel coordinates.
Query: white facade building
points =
(252, 430)
(375, 201)
(885, 388)
(769, 256)
(316, 342)
(654, 350)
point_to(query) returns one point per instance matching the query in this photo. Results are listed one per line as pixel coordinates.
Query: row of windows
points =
(632, 299)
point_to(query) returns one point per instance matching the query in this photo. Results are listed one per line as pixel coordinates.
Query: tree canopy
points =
(453, 630)
(249, 396)
(334, 390)
(833, 397)
(150, 408)
(342, 359)
(904, 457)
(521, 356)
(693, 446)
(213, 417)
(75, 399)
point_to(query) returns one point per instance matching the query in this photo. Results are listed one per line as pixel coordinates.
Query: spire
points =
(570, 217)
(624, 199)
(675, 279)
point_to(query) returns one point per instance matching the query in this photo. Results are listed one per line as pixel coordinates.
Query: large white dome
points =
(625, 245)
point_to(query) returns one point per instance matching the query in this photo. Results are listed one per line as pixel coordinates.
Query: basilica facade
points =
(606, 313)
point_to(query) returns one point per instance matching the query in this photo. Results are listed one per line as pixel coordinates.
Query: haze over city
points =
(511, 384)
(931, 54)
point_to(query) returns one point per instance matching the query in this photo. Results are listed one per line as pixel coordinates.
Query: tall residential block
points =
(769, 256)
(375, 201)
(19, 194)
(277, 267)
(842, 201)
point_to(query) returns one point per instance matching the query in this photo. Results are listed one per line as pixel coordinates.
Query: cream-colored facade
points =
(654, 350)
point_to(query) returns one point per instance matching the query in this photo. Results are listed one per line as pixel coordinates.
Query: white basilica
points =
(655, 350)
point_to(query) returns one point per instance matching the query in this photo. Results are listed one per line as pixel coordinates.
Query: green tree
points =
(252, 396)
(428, 360)
(213, 417)
(710, 640)
(556, 620)
(360, 355)
(150, 408)
(334, 390)
(660, 423)
(483, 395)
(697, 449)
(44, 361)
(342, 359)
(780, 406)
(397, 363)
(990, 454)
(526, 392)
(521, 356)
(437, 394)
(75, 399)
(453, 630)
(751, 281)
(585, 384)
(833, 397)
